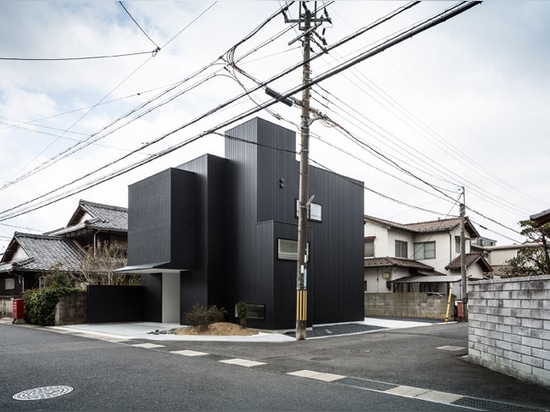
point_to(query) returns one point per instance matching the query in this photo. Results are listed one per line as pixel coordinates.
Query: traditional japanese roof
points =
(41, 253)
(541, 217)
(440, 225)
(397, 262)
(470, 259)
(100, 217)
(429, 279)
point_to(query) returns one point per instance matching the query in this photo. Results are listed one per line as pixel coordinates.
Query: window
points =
(253, 311)
(314, 211)
(365, 285)
(457, 244)
(288, 249)
(10, 284)
(369, 247)
(424, 250)
(401, 249)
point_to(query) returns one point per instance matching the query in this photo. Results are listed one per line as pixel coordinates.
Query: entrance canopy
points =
(150, 268)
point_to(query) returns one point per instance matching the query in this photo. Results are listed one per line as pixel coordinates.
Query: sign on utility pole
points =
(307, 23)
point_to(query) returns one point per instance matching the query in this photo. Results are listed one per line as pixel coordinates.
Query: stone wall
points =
(509, 327)
(71, 309)
(408, 305)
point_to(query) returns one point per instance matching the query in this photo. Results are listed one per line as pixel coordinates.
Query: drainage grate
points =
(45, 392)
(486, 405)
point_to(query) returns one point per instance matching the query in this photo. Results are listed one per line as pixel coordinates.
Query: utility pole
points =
(307, 23)
(463, 255)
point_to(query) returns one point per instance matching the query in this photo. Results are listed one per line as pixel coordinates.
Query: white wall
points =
(171, 298)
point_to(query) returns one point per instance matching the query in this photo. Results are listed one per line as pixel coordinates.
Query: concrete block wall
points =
(6, 306)
(408, 305)
(71, 309)
(509, 327)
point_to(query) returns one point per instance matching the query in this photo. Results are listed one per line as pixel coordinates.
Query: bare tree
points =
(100, 264)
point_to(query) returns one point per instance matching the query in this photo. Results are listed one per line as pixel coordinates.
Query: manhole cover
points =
(45, 392)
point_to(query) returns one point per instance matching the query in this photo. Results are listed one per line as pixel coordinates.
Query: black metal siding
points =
(207, 284)
(335, 275)
(264, 178)
(152, 300)
(115, 304)
(242, 205)
(149, 220)
(161, 220)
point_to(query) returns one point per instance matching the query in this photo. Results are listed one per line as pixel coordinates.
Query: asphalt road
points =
(420, 368)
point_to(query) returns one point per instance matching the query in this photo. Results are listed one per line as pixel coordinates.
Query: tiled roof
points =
(434, 225)
(440, 225)
(471, 258)
(43, 252)
(399, 262)
(105, 217)
(541, 217)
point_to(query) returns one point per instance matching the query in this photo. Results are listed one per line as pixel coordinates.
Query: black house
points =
(216, 231)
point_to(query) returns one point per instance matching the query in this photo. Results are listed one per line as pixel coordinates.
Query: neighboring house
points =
(542, 217)
(93, 224)
(498, 256)
(418, 257)
(29, 256)
(216, 231)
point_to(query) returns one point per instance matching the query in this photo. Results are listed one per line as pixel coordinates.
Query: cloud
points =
(464, 103)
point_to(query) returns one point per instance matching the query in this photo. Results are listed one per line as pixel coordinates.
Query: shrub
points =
(201, 317)
(241, 309)
(40, 304)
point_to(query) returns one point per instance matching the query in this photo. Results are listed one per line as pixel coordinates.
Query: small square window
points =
(10, 284)
(288, 249)
(424, 250)
(401, 249)
(253, 311)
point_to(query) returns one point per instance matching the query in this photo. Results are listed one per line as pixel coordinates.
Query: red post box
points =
(460, 309)
(18, 309)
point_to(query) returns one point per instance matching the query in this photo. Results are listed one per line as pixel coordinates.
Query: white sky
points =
(464, 103)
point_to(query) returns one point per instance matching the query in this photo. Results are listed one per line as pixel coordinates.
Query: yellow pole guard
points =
(449, 302)
(301, 305)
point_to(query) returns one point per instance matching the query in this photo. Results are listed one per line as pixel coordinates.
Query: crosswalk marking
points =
(242, 362)
(320, 376)
(187, 352)
(147, 345)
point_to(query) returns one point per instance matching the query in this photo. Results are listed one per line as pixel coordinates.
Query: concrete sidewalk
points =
(160, 331)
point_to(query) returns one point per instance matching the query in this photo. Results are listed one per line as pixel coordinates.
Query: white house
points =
(419, 257)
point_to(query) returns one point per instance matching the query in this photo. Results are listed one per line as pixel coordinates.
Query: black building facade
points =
(216, 231)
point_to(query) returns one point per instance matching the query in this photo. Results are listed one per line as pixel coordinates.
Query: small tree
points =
(242, 311)
(532, 261)
(201, 317)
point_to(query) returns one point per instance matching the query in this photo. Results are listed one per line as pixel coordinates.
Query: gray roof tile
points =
(46, 251)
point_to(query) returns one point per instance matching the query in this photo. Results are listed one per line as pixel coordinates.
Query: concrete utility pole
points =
(307, 23)
(463, 255)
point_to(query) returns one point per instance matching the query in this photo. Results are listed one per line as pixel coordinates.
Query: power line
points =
(81, 144)
(139, 27)
(402, 36)
(58, 59)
